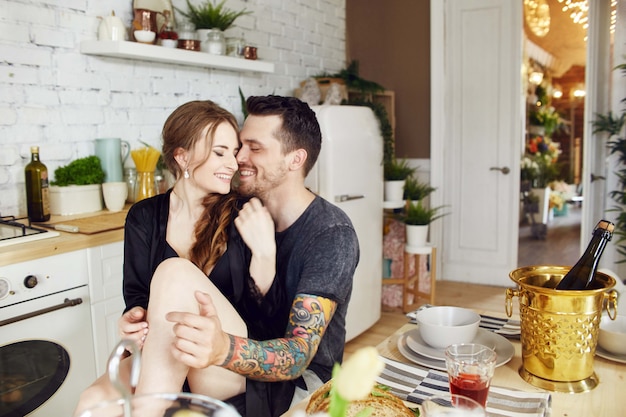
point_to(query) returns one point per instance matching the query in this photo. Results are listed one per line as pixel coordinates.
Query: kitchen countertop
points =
(65, 242)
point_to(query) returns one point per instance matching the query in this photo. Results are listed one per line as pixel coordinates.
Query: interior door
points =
(477, 135)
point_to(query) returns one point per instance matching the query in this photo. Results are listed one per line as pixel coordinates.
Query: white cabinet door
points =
(107, 303)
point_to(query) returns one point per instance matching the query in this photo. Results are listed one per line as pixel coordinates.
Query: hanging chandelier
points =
(579, 10)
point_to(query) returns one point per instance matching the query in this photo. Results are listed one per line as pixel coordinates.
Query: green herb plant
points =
(417, 214)
(397, 170)
(82, 171)
(211, 15)
(415, 190)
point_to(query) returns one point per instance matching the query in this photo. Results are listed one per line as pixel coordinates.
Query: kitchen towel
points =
(414, 384)
(502, 326)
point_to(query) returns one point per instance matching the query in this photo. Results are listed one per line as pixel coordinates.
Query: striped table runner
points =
(414, 383)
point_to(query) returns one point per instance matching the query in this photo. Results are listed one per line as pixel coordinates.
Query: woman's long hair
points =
(183, 129)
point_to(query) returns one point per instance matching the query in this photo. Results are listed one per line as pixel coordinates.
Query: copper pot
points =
(145, 20)
(249, 52)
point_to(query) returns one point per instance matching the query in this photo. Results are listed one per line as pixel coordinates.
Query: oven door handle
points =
(66, 303)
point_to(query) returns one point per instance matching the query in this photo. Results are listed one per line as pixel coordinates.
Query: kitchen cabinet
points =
(155, 53)
(107, 304)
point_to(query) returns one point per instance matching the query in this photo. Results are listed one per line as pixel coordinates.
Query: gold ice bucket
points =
(559, 328)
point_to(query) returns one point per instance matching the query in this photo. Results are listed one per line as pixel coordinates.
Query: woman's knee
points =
(173, 272)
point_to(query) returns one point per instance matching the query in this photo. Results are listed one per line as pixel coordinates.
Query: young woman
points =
(181, 233)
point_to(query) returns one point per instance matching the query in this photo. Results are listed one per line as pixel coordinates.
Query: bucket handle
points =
(508, 303)
(611, 303)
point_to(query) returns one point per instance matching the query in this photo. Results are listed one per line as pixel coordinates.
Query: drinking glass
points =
(470, 369)
(452, 405)
(165, 405)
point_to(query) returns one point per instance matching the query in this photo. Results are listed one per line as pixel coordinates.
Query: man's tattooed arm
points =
(284, 358)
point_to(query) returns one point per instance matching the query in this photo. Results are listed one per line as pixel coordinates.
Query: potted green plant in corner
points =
(395, 172)
(414, 190)
(77, 187)
(211, 19)
(417, 217)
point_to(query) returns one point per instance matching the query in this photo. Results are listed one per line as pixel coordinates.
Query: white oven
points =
(46, 343)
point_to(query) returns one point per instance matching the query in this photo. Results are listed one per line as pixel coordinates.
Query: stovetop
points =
(19, 230)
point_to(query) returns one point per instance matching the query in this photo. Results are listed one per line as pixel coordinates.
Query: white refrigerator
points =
(349, 174)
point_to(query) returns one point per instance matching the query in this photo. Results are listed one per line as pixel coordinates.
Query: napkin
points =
(415, 384)
(505, 327)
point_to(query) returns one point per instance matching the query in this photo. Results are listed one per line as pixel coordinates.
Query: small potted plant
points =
(395, 172)
(211, 19)
(77, 187)
(417, 218)
(414, 190)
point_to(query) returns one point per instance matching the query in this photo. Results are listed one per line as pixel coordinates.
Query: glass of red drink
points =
(470, 369)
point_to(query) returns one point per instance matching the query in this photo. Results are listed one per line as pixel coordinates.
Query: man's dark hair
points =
(300, 129)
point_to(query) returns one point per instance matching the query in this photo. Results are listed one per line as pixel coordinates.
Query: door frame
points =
(597, 76)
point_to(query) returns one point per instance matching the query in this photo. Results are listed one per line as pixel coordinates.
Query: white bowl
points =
(144, 36)
(443, 326)
(612, 335)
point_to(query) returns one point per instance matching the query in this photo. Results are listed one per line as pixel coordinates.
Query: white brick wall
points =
(55, 97)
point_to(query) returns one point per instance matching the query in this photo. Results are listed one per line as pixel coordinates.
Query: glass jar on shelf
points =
(168, 36)
(216, 43)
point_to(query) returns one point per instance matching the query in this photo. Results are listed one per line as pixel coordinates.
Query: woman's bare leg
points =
(102, 389)
(172, 289)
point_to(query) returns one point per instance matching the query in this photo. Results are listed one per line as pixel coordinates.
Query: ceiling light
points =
(579, 10)
(535, 77)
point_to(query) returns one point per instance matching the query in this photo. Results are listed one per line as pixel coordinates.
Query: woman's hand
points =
(133, 326)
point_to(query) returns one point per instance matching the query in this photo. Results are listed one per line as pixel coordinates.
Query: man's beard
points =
(261, 186)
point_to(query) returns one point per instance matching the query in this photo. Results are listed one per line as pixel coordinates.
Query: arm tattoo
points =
(284, 358)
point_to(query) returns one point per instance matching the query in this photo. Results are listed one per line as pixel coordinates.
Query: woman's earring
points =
(186, 173)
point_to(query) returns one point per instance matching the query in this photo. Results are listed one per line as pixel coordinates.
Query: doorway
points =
(555, 61)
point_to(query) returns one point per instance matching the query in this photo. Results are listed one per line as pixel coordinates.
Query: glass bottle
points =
(168, 36)
(131, 182)
(581, 276)
(37, 197)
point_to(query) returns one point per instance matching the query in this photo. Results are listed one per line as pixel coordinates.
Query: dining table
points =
(412, 381)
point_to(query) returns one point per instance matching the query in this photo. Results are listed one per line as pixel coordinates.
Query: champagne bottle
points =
(581, 275)
(37, 199)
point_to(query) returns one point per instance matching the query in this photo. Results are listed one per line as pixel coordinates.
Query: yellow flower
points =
(358, 374)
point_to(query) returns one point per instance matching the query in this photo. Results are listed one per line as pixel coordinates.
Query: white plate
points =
(504, 352)
(418, 345)
(610, 356)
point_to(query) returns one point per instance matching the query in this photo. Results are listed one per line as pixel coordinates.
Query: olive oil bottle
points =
(37, 197)
(580, 277)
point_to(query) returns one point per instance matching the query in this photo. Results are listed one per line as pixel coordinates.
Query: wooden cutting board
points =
(97, 224)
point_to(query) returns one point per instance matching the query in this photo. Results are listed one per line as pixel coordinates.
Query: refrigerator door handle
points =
(345, 197)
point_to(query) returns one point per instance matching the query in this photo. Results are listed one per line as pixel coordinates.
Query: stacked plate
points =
(412, 346)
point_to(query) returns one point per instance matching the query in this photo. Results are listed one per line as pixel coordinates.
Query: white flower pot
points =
(394, 190)
(416, 235)
(75, 199)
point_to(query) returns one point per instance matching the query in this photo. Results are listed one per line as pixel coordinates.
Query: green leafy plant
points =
(82, 171)
(419, 215)
(415, 190)
(397, 170)
(354, 81)
(613, 125)
(211, 15)
(547, 117)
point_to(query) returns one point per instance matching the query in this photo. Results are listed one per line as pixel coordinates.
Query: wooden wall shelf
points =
(155, 53)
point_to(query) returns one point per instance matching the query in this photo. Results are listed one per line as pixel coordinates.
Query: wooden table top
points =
(606, 400)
